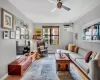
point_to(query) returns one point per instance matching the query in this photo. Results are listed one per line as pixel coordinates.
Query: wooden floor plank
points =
(13, 77)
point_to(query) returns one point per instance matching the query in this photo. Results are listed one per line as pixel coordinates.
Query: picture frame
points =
(26, 36)
(26, 32)
(5, 34)
(7, 19)
(17, 30)
(22, 31)
(12, 34)
(22, 37)
(17, 36)
(76, 35)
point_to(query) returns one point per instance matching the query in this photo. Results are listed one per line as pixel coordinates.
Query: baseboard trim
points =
(4, 77)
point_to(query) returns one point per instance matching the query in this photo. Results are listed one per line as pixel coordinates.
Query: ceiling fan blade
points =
(67, 8)
(53, 9)
(52, 1)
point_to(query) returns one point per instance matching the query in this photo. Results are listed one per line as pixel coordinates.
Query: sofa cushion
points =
(83, 52)
(75, 56)
(82, 64)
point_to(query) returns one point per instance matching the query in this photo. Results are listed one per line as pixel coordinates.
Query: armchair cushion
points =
(41, 47)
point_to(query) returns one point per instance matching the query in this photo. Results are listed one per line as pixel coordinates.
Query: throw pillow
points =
(88, 56)
(41, 47)
(70, 47)
(73, 48)
(66, 47)
(76, 49)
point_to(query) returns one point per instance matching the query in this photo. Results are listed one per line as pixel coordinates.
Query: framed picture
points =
(22, 31)
(7, 19)
(12, 34)
(22, 37)
(26, 36)
(76, 35)
(26, 32)
(17, 36)
(5, 34)
(18, 30)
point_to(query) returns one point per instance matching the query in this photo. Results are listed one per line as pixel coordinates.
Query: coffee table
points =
(62, 64)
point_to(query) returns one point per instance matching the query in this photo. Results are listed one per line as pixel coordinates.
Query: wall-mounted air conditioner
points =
(66, 26)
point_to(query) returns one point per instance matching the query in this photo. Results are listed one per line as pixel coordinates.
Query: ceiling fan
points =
(59, 4)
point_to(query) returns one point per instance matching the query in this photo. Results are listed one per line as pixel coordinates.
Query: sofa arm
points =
(94, 70)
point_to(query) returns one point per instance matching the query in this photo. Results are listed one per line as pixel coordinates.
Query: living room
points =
(86, 13)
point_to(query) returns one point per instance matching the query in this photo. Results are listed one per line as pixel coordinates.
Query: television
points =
(91, 33)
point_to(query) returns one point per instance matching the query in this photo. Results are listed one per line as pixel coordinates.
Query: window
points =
(51, 34)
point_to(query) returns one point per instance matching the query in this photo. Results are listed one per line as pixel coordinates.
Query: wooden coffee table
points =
(62, 63)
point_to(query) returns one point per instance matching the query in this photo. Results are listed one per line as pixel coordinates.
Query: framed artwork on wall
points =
(26, 36)
(17, 36)
(76, 35)
(22, 37)
(12, 34)
(5, 34)
(26, 32)
(7, 19)
(22, 31)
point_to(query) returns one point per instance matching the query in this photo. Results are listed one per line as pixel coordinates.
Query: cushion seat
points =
(75, 56)
(82, 64)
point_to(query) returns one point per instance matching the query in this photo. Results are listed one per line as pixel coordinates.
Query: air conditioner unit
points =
(66, 26)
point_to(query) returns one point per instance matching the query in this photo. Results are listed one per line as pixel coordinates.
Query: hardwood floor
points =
(13, 77)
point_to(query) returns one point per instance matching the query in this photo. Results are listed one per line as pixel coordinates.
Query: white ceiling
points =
(39, 11)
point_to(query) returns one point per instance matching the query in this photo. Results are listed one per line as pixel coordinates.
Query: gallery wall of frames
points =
(14, 27)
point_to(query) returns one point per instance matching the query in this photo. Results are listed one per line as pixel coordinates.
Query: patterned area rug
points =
(45, 69)
(64, 75)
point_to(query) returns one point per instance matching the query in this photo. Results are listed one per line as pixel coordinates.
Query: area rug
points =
(64, 75)
(42, 69)
(45, 69)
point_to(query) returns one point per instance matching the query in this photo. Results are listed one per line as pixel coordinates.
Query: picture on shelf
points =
(5, 34)
(7, 19)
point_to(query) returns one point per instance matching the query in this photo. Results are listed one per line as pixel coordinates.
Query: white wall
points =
(65, 36)
(8, 47)
(91, 16)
